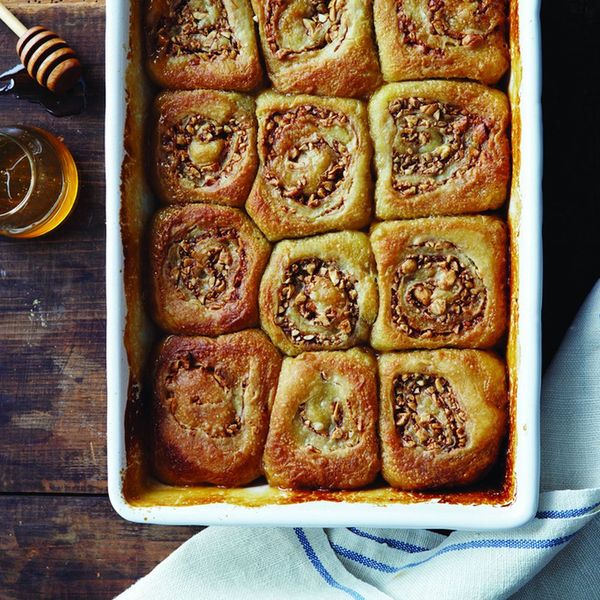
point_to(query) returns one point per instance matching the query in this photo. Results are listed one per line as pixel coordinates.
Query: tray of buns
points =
(323, 262)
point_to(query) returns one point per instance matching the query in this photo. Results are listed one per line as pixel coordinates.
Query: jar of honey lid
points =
(38, 182)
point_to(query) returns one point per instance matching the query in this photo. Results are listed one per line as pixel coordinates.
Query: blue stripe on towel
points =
(363, 560)
(320, 568)
(567, 513)
(397, 544)
(520, 544)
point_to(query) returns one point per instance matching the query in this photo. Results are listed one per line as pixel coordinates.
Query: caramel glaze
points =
(140, 488)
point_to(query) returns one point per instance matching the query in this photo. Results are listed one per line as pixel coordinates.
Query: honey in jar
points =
(38, 182)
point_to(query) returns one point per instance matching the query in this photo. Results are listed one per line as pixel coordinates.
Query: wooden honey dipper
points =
(47, 58)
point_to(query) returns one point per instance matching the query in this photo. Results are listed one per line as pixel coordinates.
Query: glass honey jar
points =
(38, 182)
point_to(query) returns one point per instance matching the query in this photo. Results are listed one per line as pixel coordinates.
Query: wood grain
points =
(52, 366)
(75, 547)
(52, 310)
(35, 5)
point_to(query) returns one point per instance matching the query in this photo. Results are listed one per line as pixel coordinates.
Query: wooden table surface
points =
(59, 537)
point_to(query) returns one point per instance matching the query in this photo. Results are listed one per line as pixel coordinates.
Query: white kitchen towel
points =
(354, 563)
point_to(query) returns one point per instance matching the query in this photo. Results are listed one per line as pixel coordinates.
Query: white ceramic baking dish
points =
(128, 206)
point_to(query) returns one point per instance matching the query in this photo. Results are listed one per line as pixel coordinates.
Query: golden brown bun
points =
(212, 399)
(441, 148)
(446, 38)
(323, 48)
(442, 282)
(204, 147)
(442, 416)
(315, 161)
(212, 45)
(323, 426)
(319, 293)
(206, 262)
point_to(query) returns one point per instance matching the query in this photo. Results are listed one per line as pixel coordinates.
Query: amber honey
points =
(38, 182)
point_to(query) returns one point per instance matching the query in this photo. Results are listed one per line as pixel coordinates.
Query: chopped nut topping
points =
(208, 265)
(321, 20)
(201, 150)
(310, 169)
(442, 24)
(438, 306)
(196, 28)
(434, 142)
(408, 266)
(423, 295)
(317, 304)
(442, 295)
(427, 413)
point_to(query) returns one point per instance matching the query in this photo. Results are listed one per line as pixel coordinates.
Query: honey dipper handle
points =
(11, 20)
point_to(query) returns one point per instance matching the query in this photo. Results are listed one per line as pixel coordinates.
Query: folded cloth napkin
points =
(286, 564)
